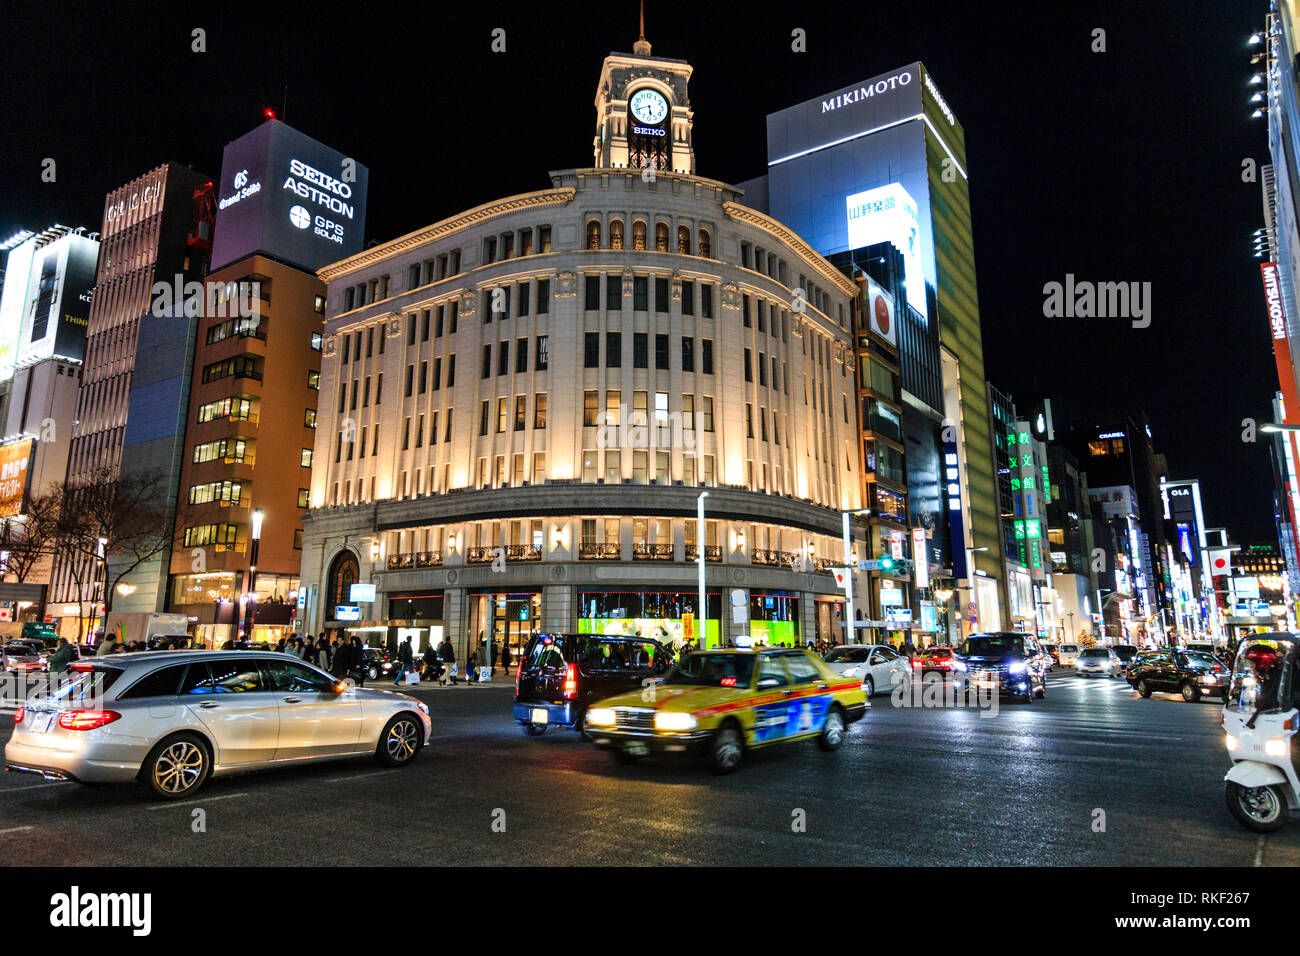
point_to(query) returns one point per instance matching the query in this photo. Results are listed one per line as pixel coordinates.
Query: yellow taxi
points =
(720, 703)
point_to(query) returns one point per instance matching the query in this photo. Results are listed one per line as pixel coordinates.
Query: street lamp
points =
(699, 558)
(252, 573)
(849, 568)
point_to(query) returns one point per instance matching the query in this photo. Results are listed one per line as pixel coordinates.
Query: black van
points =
(559, 675)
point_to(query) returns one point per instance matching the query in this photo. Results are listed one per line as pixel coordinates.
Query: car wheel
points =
(1191, 693)
(534, 730)
(868, 687)
(400, 741)
(176, 767)
(832, 735)
(1262, 809)
(372, 673)
(726, 748)
(1143, 688)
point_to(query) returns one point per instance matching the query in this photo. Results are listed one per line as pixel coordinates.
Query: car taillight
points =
(81, 666)
(519, 672)
(18, 715)
(728, 682)
(86, 719)
(571, 682)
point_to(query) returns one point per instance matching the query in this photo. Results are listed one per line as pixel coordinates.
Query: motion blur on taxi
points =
(721, 703)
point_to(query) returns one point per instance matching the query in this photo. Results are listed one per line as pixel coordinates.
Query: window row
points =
(541, 358)
(591, 351)
(640, 237)
(614, 294)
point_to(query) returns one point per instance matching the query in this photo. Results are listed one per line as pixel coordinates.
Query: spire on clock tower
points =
(642, 46)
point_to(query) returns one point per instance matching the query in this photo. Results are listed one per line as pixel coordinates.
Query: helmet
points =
(1262, 658)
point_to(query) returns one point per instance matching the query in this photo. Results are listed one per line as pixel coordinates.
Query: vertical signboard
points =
(14, 460)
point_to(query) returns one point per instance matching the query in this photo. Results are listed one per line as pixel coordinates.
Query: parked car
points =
(1190, 673)
(934, 660)
(560, 675)
(878, 666)
(1098, 662)
(1067, 654)
(172, 719)
(1008, 661)
(721, 703)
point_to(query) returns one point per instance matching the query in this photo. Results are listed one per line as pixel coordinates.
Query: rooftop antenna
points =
(642, 46)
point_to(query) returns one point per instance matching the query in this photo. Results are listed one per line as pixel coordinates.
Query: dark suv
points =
(1191, 673)
(1011, 661)
(560, 674)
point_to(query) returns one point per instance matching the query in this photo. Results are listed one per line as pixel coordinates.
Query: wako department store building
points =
(521, 404)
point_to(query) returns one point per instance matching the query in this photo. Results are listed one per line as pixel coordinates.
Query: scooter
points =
(1262, 787)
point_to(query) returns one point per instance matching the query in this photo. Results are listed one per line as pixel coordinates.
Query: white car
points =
(878, 666)
(1067, 654)
(1098, 662)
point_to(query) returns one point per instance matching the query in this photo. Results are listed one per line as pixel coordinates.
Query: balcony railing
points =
(642, 551)
(414, 559)
(600, 552)
(523, 552)
(712, 552)
(481, 555)
(822, 564)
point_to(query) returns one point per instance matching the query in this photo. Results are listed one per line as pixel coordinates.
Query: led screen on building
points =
(890, 214)
(13, 477)
(284, 194)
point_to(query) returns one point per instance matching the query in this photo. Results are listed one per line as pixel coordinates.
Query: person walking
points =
(448, 655)
(470, 666)
(360, 661)
(62, 657)
(341, 661)
(431, 662)
(505, 659)
(404, 659)
(495, 649)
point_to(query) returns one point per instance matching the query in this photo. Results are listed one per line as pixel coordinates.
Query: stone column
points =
(559, 609)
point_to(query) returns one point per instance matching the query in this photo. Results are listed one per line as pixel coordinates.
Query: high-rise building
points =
(884, 160)
(156, 231)
(287, 205)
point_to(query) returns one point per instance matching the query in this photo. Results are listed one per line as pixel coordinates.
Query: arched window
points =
(706, 248)
(684, 240)
(345, 571)
(616, 234)
(593, 234)
(661, 236)
(638, 235)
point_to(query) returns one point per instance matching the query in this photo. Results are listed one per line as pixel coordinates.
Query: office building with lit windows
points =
(566, 371)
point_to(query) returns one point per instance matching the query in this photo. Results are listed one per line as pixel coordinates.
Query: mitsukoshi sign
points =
(285, 194)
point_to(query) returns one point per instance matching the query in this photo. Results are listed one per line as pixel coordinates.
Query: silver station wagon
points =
(171, 719)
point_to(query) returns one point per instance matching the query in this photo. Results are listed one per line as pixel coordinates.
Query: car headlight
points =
(1207, 678)
(1232, 743)
(958, 666)
(1017, 667)
(853, 671)
(674, 721)
(1277, 747)
(601, 716)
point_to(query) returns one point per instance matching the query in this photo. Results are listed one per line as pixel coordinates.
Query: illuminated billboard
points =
(285, 194)
(13, 477)
(890, 214)
(13, 304)
(58, 300)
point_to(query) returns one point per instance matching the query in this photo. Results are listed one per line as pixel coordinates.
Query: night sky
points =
(1119, 166)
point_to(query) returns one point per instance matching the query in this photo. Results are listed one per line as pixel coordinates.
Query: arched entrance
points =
(345, 571)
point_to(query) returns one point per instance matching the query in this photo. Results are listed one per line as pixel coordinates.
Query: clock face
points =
(648, 107)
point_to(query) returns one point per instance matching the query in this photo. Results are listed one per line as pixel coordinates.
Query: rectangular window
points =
(613, 349)
(613, 292)
(706, 412)
(688, 354)
(309, 418)
(543, 296)
(688, 298)
(522, 308)
(641, 294)
(661, 294)
(706, 300)
(410, 383)
(484, 416)
(521, 412)
(539, 410)
(661, 351)
(451, 370)
(304, 497)
(706, 356)
(486, 370)
(749, 366)
(762, 369)
(613, 403)
(437, 374)
(304, 459)
(424, 377)
(521, 355)
(424, 326)
(503, 358)
(591, 350)
(640, 349)
(591, 299)
(590, 407)
(540, 356)
(503, 414)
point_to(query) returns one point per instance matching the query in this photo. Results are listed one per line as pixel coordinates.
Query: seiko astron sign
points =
(287, 195)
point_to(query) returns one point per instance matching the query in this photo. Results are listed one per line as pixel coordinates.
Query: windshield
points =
(713, 670)
(847, 655)
(1261, 678)
(1095, 652)
(1202, 659)
(993, 645)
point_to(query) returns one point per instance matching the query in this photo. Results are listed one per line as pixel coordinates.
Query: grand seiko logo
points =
(871, 89)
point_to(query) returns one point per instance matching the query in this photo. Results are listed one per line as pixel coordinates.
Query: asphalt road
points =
(911, 786)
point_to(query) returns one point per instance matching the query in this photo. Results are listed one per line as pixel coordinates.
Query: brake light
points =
(86, 719)
(81, 666)
(571, 682)
(728, 682)
(519, 672)
(18, 715)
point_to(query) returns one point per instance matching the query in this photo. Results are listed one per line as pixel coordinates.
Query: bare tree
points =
(117, 523)
(25, 542)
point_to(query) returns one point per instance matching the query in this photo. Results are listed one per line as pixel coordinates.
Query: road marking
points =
(190, 803)
(1259, 849)
(359, 776)
(36, 786)
(16, 830)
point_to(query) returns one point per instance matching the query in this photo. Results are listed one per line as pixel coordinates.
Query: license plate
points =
(40, 723)
(636, 748)
(987, 682)
(540, 715)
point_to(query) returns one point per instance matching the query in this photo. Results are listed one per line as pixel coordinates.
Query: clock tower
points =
(643, 112)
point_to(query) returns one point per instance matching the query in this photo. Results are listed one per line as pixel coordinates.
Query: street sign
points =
(971, 605)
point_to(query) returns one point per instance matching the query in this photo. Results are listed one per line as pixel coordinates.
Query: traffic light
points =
(887, 564)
